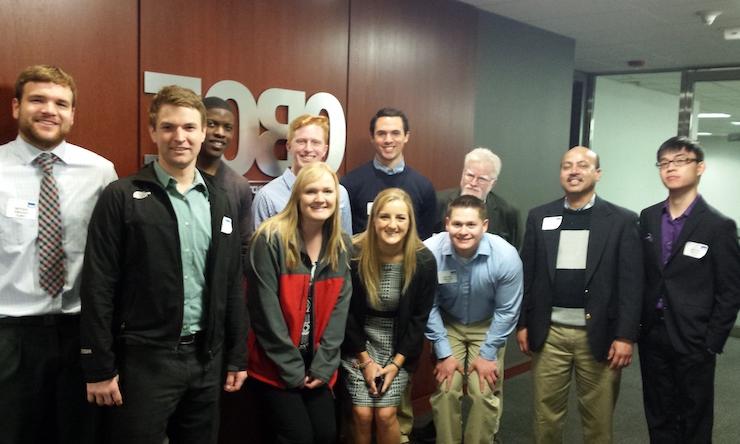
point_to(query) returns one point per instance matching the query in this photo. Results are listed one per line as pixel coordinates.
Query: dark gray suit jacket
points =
(702, 294)
(614, 275)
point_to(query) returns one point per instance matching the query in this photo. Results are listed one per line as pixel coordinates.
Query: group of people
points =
(127, 306)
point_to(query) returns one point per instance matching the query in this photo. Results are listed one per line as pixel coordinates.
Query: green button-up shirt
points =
(193, 212)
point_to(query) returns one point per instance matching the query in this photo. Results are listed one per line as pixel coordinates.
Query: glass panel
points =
(716, 115)
(633, 115)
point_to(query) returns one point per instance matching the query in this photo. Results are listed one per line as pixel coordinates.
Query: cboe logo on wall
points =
(256, 145)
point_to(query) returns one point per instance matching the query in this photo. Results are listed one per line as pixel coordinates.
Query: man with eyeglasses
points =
(692, 296)
(307, 142)
(582, 297)
(479, 175)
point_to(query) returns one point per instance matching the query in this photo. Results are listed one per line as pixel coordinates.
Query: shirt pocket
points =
(17, 233)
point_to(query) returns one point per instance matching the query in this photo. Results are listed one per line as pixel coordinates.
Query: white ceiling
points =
(665, 34)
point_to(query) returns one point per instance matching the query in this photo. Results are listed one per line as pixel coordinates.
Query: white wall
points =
(721, 181)
(629, 124)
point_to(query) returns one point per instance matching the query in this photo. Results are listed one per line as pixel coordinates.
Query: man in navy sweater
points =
(389, 133)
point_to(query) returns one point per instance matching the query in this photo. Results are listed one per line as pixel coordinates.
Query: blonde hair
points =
(45, 73)
(369, 250)
(286, 224)
(306, 120)
(176, 96)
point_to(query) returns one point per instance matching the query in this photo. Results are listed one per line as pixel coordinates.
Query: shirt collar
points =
(590, 204)
(484, 248)
(389, 171)
(685, 214)
(288, 177)
(169, 182)
(29, 153)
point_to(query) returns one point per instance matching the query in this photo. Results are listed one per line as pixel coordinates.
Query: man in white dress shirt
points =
(47, 185)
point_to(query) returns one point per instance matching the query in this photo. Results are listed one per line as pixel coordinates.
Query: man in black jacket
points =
(692, 295)
(582, 297)
(162, 303)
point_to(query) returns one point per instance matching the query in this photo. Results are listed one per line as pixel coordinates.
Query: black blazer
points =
(614, 276)
(702, 294)
(411, 319)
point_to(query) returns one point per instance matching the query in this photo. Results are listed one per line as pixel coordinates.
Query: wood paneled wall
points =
(417, 55)
(94, 41)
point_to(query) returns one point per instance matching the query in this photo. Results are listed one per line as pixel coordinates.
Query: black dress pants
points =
(299, 416)
(42, 390)
(166, 392)
(678, 390)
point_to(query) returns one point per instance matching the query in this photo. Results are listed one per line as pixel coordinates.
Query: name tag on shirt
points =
(369, 208)
(447, 277)
(551, 223)
(21, 209)
(695, 250)
(226, 227)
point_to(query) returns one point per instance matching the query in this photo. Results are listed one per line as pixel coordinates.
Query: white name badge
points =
(21, 209)
(551, 223)
(141, 194)
(369, 208)
(695, 249)
(447, 277)
(226, 227)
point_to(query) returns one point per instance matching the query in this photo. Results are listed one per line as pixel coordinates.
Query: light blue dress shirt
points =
(488, 286)
(274, 196)
(398, 169)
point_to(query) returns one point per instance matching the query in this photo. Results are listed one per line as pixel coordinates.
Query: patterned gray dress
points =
(379, 345)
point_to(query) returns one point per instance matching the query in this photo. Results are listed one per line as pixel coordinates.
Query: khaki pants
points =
(566, 349)
(485, 411)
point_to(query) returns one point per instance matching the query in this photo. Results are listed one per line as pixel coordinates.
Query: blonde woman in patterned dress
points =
(393, 281)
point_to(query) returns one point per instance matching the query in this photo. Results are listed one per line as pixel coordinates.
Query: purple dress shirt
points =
(670, 229)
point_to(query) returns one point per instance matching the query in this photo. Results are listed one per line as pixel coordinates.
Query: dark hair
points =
(389, 112)
(468, 201)
(216, 102)
(677, 144)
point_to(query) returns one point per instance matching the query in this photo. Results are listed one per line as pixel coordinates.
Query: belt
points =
(41, 320)
(190, 339)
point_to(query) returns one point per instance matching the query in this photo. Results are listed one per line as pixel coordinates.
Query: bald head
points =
(585, 151)
(579, 172)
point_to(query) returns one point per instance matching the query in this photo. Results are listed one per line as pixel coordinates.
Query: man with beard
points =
(582, 293)
(48, 188)
(219, 133)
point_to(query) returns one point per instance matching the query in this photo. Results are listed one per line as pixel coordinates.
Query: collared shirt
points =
(670, 229)
(487, 286)
(388, 170)
(193, 212)
(273, 197)
(590, 204)
(81, 176)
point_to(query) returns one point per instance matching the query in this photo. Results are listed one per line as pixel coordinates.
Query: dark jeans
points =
(678, 390)
(42, 391)
(299, 416)
(166, 392)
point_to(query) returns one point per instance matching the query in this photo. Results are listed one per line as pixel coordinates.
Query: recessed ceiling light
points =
(700, 134)
(714, 115)
(735, 123)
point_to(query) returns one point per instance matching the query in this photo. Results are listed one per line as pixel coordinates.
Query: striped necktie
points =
(51, 253)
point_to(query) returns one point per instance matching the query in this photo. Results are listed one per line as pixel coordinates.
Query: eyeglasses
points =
(483, 180)
(663, 164)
